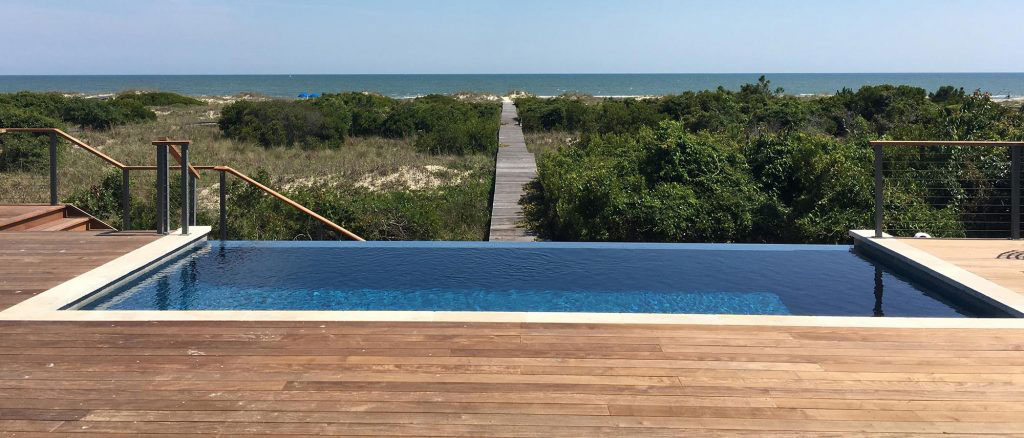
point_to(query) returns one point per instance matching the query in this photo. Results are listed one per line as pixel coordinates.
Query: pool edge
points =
(46, 306)
(106, 276)
(923, 264)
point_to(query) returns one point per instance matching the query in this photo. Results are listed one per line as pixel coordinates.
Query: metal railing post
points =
(223, 224)
(185, 201)
(126, 200)
(1015, 192)
(162, 191)
(192, 200)
(878, 190)
(53, 169)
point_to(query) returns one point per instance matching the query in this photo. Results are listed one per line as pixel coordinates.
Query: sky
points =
(521, 36)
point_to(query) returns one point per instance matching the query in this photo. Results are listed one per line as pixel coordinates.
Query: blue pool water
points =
(537, 277)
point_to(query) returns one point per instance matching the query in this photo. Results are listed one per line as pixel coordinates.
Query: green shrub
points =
(663, 184)
(85, 113)
(440, 124)
(800, 168)
(157, 98)
(284, 123)
(24, 152)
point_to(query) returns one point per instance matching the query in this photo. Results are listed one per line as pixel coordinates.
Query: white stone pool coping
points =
(942, 271)
(46, 305)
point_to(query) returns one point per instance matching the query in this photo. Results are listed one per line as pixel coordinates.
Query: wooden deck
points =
(482, 379)
(515, 380)
(998, 260)
(515, 167)
(32, 262)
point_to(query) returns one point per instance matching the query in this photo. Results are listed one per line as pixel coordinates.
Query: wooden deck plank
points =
(998, 260)
(507, 390)
(780, 382)
(32, 262)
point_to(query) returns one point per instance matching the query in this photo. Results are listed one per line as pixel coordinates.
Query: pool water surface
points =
(536, 277)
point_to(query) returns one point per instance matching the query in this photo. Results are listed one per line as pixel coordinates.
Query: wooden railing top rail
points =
(944, 143)
(288, 201)
(270, 192)
(176, 153)
(878, 147)
(73, 140)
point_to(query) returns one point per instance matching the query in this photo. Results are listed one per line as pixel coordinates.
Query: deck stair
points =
(45, 217)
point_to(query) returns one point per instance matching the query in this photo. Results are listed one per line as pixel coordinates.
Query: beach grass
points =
(539, 142)
(380, 164)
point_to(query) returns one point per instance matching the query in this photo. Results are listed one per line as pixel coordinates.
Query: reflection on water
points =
(878, 292)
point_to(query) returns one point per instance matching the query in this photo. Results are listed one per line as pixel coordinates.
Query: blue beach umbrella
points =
(303, 96)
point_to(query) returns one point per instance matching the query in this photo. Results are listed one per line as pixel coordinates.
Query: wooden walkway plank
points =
(515, 167)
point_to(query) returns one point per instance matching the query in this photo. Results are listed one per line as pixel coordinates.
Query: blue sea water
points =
(999, 84)
(537, 277)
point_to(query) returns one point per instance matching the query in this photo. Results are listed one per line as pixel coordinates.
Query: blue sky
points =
(522, 36)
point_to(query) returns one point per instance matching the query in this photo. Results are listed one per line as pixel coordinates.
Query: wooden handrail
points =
(73, 140)
(944, 143)
(176, 153)
(269, 191)
(288, 201)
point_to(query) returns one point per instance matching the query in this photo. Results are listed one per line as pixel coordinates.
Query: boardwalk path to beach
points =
(515, 166)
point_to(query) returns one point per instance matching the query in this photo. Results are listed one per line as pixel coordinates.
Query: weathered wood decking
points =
(512, 380)
(32, 262)
(483, 379)
(515, 167)
(998, 260)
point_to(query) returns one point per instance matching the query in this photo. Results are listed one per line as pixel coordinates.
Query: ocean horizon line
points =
(1002, 84)
(517, 74)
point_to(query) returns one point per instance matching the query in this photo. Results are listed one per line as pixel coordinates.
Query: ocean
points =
(998, 84)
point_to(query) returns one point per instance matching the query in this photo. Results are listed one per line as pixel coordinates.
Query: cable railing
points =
(947, 188)
(178, 149)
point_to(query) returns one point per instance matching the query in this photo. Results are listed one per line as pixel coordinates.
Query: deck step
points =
(64, 224)
(23, 217)
(44, 217)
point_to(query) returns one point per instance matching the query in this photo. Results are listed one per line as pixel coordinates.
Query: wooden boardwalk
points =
(275, 378)
(515, 167)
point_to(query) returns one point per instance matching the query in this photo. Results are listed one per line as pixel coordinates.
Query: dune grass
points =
(361, 159)
(542, 141)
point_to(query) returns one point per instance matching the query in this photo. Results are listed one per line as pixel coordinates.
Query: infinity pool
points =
(535, 277)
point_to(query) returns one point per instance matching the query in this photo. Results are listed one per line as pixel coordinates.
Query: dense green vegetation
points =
(55, 110)
(439, 124)
(157, 98)
(80, 111)
(758, 166)
(409, 169)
